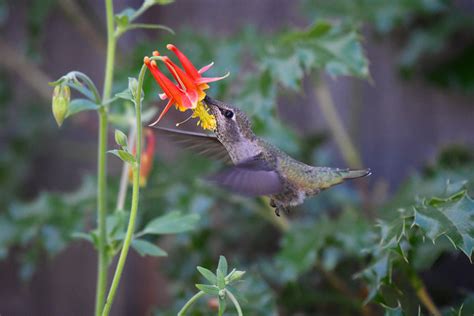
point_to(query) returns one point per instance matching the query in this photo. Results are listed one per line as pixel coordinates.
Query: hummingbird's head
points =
(233, 125)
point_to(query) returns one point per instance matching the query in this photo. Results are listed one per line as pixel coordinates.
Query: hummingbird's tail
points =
(354, 174)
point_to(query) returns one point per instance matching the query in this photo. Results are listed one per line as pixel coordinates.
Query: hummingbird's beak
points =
(210, 102)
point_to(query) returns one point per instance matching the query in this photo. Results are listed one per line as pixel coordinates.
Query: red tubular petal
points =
(186, 82)
(205, 68)
(207, 80)
(150, 142)
(185, 62)
(167, 107)
(167, 85)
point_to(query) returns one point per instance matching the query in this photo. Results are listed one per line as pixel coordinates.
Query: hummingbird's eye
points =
(228, 114)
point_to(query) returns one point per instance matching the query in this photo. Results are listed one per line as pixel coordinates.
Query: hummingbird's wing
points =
(203, 144)
(252, 177)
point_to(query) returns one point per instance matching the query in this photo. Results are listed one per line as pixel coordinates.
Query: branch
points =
(16, 62)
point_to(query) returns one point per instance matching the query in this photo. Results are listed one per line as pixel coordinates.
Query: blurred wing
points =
(252, 177)
(203, 144)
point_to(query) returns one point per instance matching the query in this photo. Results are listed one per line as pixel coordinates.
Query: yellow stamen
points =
(206, 120)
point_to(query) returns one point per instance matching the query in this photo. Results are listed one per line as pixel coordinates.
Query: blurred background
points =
(398, 75)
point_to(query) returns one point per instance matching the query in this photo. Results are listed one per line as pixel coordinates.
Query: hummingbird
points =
(257, 167)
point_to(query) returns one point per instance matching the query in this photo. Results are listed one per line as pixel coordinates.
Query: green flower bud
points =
(61, 100)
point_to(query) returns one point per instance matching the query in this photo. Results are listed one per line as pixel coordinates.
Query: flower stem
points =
(102, 213)
(236, 303)
(135, 195)
(102, 163)
(191, 301)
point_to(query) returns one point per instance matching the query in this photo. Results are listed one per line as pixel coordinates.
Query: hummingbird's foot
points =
(277, 211)
(272, 203)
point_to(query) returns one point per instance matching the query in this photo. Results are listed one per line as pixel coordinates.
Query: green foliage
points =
(220, 287)
(429, 30)
(44, 225)
(171, 223)
(451, 217)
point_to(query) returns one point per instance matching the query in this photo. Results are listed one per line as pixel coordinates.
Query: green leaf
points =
(123, 155)
(146, 248)
(208, 289)
(208, 274)
(394, 311)
(172, 223)
(126, 95)
(124, 18)
(83, 236)
(121, 138)
(222, 266)
(149, 3)
(324, 46)
(234, 275)
(220, 279)
(80, 105)
(453, 218)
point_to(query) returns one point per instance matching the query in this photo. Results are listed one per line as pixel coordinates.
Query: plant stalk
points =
(135, 196)
(191, 301)
(103, 260)
(235, 302)
(422, 293)
(343, 141)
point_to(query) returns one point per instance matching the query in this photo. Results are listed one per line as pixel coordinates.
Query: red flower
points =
(189, 90)
(146, 160)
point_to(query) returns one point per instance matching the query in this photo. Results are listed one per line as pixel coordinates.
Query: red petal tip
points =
(146, 60)
(153, 63)
(170, 46)
(156, 53)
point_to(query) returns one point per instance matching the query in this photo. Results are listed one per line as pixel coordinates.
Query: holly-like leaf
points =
(146, 248)
(452, 217)
(171, 223)
(333, 48)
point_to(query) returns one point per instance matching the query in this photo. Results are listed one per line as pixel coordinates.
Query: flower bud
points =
(61, 100)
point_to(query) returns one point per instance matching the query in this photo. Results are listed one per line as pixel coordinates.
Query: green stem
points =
(102, 163)
(102, 213)
(236, 303)
(135, 195)
(422, 293)
(191, 301)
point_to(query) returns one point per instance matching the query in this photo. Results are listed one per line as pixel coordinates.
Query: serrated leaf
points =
(208, 289)
(454, 219)
(121, 138)
(208, 274)
(146, 248)
(80, 105)
(123, 155)
(172, 223)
